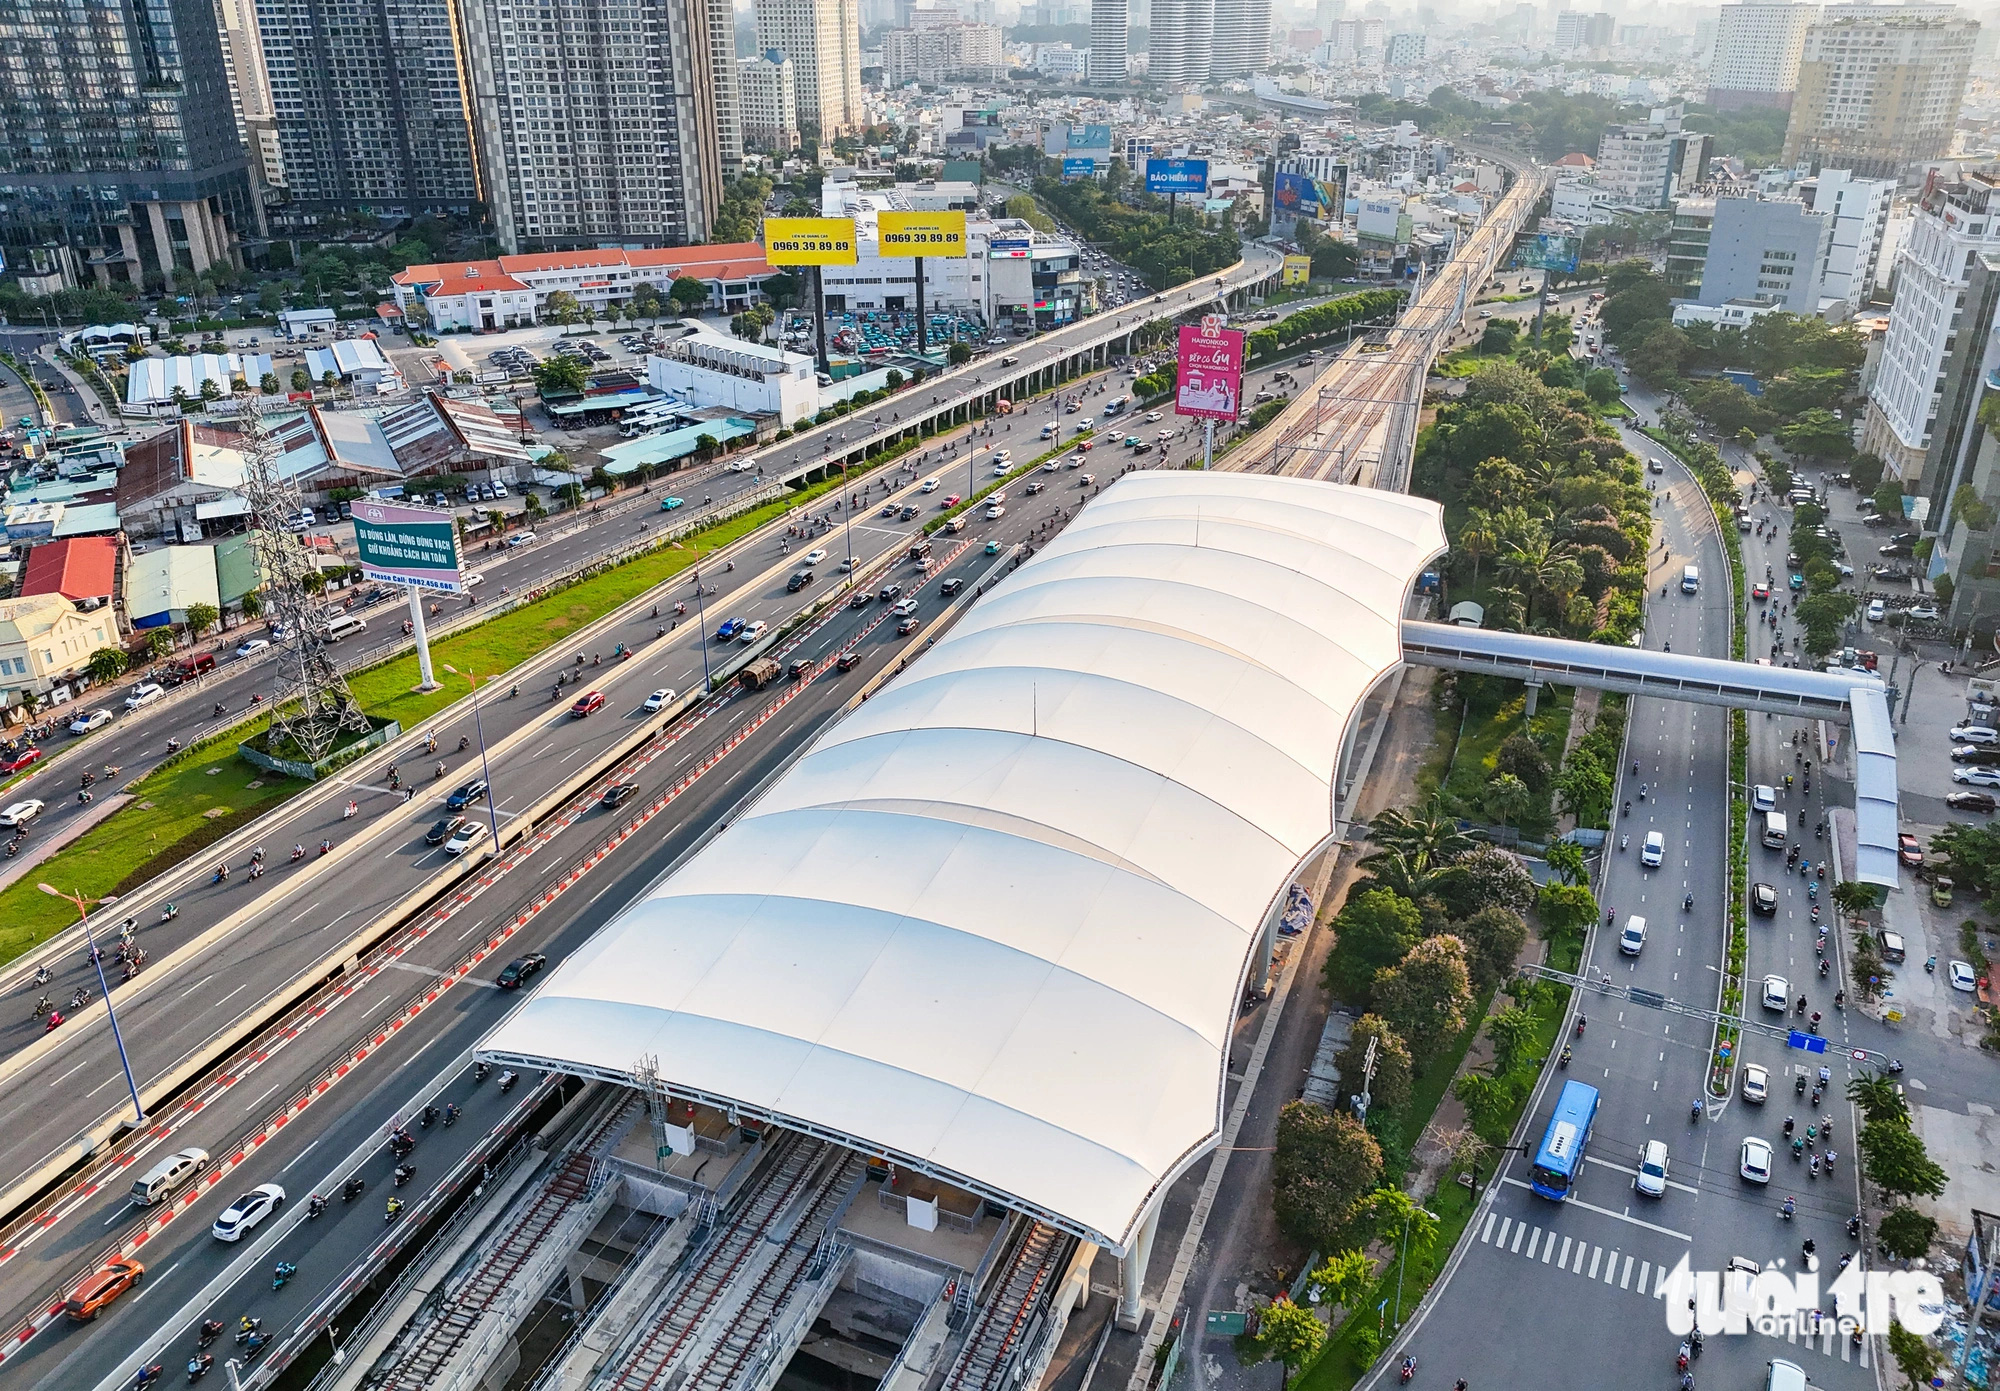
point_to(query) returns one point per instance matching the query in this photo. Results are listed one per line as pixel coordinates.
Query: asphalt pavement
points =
(184, 1260)
(1573, 1270)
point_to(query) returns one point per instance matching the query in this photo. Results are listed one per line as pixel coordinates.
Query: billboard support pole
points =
(920, 306)
(427, 682)
(1207, 444)
(819, 320)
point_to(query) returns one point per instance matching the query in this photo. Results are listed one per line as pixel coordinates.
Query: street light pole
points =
(485, 773)
(111, 1010)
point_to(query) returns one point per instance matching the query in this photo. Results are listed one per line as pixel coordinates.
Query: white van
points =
(159, 1182)
(1690, 579)
(1633, 939)
(344, 625)
(1653, 850)
(1776, 830)
(1780, 1375)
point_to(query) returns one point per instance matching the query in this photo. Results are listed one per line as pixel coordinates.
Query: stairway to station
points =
(426, 1360)
(1027, 1273)
(800, 1170)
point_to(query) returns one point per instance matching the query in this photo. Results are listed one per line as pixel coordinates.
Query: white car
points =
(247, 1211)
(752, 631)
(144, 694)
(1926, 612)
(1963, 977)
(1777, 993)
(465, 837)
(1652, 1179)
(1877, 610)
(1002, 469)
(472, 578)
(521, 538)
(930, 485)
(1003, 456)
(251, 645)
(1764, 798)
(1152, 415)
(1975, 734)
(904, 608)
(660, 699)
(1653, 851)
(1087, 423)
(1052, 466)
(21, 813)
(815, 555)
(89, 720)
(1632, 939)
(744, 465)
(1756, 1083)
(1755, 1161)
(1977, 777)
(995, 512)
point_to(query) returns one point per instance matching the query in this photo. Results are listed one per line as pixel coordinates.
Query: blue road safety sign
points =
(1812, 1043)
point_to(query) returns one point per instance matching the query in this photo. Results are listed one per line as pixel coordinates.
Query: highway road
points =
(136, 743)
(1534, 1276)
(307, 1151)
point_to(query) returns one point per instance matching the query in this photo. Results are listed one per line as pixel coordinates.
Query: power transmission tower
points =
(313, 707)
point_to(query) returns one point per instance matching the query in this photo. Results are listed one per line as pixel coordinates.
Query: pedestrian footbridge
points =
(1839, 697)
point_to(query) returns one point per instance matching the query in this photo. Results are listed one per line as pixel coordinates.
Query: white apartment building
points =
(704, 366)
(1880, 87)
(1954, 223)
(1584, 202)
(1110, 40)
(1183, 37)
(823, 40)
(1860, 212)
(1403, 51)
(1757, 52)
(594, 129)
(1358, 38)
(767, 90)
(1640, 163)
(938, 47)
(1242, 39)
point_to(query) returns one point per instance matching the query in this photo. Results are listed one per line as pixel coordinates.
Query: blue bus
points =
(1560, 1159)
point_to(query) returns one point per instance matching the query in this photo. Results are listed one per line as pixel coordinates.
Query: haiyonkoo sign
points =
(1210, 384)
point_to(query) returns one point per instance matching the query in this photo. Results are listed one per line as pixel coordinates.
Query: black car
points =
(1971, 801)
(847, 660)
(441, 832)
(861, 600)
(521, 970)
(798, 581)
(950, 587)
(1764, 898)
(1978, 755)
(618, 794)
(474, 791)
(799, 667)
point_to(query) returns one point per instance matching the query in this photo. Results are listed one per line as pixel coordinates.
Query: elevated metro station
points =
(945, 1010)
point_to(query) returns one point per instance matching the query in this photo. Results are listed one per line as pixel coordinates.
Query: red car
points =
(589, 703)
(1908, 850)
(25, 758)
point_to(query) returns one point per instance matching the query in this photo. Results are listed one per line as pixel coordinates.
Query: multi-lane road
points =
(1533, 1275)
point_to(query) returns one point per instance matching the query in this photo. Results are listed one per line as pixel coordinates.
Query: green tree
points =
(210, 392)
(1817, 433)
(1324, 1164)
(959, 354)
(1822, 615)
(107, 664)
(1493, 940)
(1566, 908)
(201, 617)
(330, 380)
(1916, 1359)
(268, 384)
(1585, 790)
(1390, 1213)
(1879, 1098)
(1521, 756)
(1425, 997)
(1601, 385)
(300, 380)
(1289, 1335)
(1375, 929)
(1489, 877)
(1906, 1233)
(1512, 1033)
(560, 307)
(1390, 1089)
(1342, 1280)
(252, 604)
(1895, 1161)
(1565, 861)
(690, 294)
(159, 643)
(560, 376)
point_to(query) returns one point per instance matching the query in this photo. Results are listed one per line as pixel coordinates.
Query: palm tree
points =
(1425, 833)
(1878, 1096)
(1541, 566)
(1476, 541)
(1407, 875)
(1506, 609)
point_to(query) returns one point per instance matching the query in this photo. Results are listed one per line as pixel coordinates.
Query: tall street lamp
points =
(485, 774)
(138, 1110)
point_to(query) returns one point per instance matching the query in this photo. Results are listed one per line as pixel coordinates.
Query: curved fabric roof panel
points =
(995, 921)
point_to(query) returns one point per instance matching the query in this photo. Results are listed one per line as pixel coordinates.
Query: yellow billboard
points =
(921, 234)
(1298, 270)
(809, 241)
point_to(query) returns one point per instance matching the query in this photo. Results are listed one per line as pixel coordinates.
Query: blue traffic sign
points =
(1812, 1043)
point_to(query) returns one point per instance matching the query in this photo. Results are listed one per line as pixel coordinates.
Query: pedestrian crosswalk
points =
(1604, 1265)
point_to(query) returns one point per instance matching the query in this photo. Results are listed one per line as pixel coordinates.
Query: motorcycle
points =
(298, 853)
(404, 1173)
(315, 1205)
(450, 1113)
(1580, 1022)
(283, 1272)
(210, 1330)
(247, 1329)
(1695, 1111)
(479, 1071)
(392, 1211)
(199, 1364)
(1562, 1059)
(430, 1114)
(1791, 1206)
(352, 1189)
(507, 1081)
(221, 873)
(148, 1375)
(351, 809)
(1409, 1369)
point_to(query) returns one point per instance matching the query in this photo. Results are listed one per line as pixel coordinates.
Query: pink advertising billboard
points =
(1211, 371)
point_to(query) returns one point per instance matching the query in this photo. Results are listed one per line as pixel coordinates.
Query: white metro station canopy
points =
(994, 923)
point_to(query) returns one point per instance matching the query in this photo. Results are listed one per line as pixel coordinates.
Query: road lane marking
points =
(1608, 1212)
(301, 1155)
(266, 1092)
(1549, 1247)
(1519, 1232)
(1564, 1262)
(348, 914)
(1625, 1281)
(1596, 1255)
(307, 909)
(196, 986)
(84, 1063)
